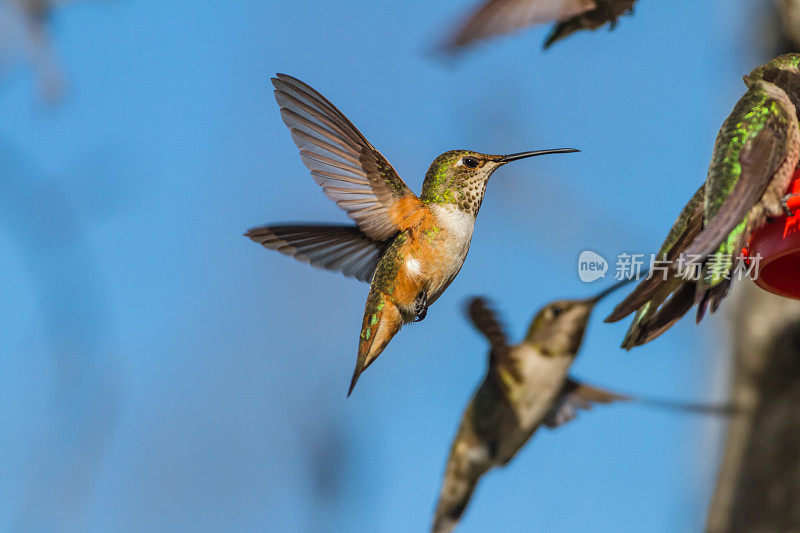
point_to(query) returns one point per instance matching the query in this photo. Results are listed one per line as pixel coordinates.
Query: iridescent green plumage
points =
(755, 155)
(410, 248)
(447, 182)
(748, 119)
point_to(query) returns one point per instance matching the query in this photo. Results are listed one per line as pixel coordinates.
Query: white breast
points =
(458, 227)
(543, 377)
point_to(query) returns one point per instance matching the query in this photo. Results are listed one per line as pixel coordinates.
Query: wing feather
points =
(341, 248)
(576, 395)
(607, 13)
(497, 17)
(485, 320)
(349, 169)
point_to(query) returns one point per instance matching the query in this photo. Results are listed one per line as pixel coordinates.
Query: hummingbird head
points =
(559, 327)
(459, 177)
(783, 71)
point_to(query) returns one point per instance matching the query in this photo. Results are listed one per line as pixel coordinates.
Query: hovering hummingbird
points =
(411, 248)
(526, 386)
(755, 156)
(497, 17)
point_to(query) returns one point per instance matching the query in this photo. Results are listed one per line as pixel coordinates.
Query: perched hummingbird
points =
(755, 156)
(526, 385)
(411, 248)
(497, 17)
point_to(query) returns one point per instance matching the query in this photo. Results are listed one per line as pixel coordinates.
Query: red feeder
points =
(778, 243)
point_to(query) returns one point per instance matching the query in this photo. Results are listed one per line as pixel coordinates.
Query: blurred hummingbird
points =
(497, 17)
(29, 19)
(755, 156)
(411, 248)
(526, 386)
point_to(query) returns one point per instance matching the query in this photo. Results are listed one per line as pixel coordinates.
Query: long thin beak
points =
(522, 155)
(593, 300)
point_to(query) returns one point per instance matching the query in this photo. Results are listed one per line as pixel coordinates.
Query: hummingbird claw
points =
(785, 204)
(612, 20)
(421, 307)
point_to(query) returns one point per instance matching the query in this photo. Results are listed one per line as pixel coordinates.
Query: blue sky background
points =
(160, 372)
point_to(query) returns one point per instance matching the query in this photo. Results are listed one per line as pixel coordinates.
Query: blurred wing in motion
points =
(499, 17)
(485, 320)
(574, 396)
(607, 11)
(342, 248)
(350, 170)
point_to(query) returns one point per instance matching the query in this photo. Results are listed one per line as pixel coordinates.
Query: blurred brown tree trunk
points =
(758, 485)
(789, 14)
(758, 488)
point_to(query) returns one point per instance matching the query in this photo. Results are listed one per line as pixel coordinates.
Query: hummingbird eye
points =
(556, 310)
(470, 162)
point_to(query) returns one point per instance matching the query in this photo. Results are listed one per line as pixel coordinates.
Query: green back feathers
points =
(441, 179)
(746, 121)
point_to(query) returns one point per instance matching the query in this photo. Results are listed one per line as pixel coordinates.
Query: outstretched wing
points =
(350, 170)
(342, 248)
(576, 395)
(485, 320)
(498, 17)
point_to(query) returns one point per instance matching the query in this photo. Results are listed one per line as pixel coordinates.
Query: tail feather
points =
(468, 461)
(650, 311)
(711, 298)
(670, 312)
(641, 294)
(382, 321)
(636, 330)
